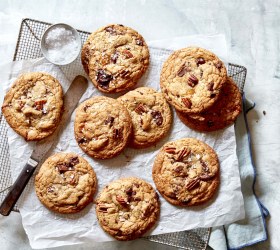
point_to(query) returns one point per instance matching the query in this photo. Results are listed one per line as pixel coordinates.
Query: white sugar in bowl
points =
(61, 44)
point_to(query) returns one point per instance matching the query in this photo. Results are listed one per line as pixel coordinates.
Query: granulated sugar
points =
(62, 45)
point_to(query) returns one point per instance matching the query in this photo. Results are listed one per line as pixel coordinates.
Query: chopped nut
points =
(170, 150)
(192, 184)
(192, 81)
(187, 102)
(38, 105)
(127, 54)
(121, 200)
(140, 109)
(183, 70)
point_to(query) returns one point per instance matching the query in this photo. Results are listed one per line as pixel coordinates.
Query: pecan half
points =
(187, 102)
(170, 150)
(38, 105)
(157, 117)
(127, 54)
(192, 184)
(183, 153)
(140, 109)
(192, 81)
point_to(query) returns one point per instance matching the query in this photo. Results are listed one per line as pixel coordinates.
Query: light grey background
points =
(252, 30)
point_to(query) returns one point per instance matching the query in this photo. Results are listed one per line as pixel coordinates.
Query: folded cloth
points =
(252, 229)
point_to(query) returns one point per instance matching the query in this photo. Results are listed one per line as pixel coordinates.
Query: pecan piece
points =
(74, 161)
(183, 153)
(121, 200)
(170, 150)
(62, 168)
(183, 70)
(204, 165)
(187, 102)
(192, 184)
(111, 30)
(157, 117)
(192, 81)
(127, 54)
(178, 169)
(205, 177)
(103, 79)
(38, 105)
(102, 208)
(140, 109)
(199, 61)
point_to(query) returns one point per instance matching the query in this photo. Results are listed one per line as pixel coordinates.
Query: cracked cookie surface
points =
(102, 127)
(222, 114)
(115, 57)
(127, 208)
(191, 79)
(186, 172)
(33, 105)
(65, 183)
(151, 116)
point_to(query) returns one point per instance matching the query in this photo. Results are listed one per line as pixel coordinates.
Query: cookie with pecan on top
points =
(102, 127)
(127, 208)
(65, 183)
(33, 105)
(191, 79)
(186, 172)
(115, 57)
(151, 116)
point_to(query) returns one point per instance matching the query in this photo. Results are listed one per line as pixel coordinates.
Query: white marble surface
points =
(252, 32)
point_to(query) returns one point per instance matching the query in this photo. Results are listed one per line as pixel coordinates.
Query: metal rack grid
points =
(28, 47)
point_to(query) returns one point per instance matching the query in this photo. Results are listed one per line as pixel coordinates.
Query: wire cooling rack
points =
(28, 47)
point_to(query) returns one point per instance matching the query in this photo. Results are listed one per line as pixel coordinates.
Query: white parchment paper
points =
(47, 229)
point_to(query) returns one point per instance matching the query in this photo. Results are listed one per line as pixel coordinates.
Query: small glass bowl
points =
(44, 48)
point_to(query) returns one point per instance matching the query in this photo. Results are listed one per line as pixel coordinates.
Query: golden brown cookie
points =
(191, 79)
(151, 116)
(186, 172)
(33, 105)
(127, 208)
(115, 57)
(65, 183)
(102, 127)
(222, 114)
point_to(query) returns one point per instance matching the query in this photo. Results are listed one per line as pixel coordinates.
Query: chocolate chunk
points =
(103, 78)
(139, 42)
(117, 133)
(187, 102)
(111, 30)
(170, 150)
(205, 177)
(82, 140)
(212, 95)
(200, 61)
(64, 167)
(114, 57)
(74, 161)
(218, 65)
(210, 123)
(192, 81)
(110, 121)
(157, 117)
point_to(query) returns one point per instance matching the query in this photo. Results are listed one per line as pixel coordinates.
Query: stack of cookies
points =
(195, 82)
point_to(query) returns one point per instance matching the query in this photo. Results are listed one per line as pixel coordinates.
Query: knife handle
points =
(18, 187)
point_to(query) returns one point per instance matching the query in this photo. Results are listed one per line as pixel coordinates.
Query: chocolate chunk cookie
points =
(191, 79)
(222, 114)
(150, 113)
(127, 208)
(65, 183)
(33, 105)
(102, 127)
(186, 172)
(115, 57)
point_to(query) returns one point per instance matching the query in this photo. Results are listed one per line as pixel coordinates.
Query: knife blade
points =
(71, 99)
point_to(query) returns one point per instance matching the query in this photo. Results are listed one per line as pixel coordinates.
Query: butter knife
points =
(71, 99)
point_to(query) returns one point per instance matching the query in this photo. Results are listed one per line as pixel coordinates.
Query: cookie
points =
(127, 208)
(186, 172)
(191, 79)
(222, 114)
(102, 127)
(33, 105)
(115, 57)
(65, 183)
(151, 116)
